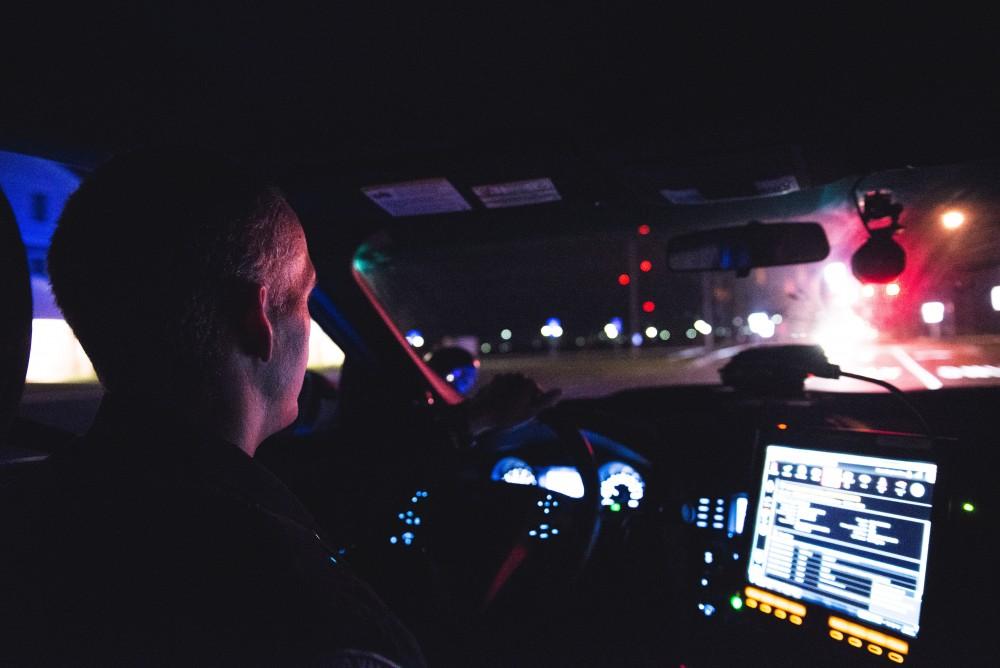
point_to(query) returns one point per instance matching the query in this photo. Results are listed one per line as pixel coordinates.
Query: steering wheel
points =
(541, 524)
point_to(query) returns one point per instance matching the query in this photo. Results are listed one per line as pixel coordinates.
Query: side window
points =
(38, 189)
(59, 370)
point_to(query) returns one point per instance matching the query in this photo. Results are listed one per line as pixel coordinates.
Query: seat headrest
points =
(15, 316)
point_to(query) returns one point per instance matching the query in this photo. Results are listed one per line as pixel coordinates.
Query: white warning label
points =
(517, 193)
(417, 198)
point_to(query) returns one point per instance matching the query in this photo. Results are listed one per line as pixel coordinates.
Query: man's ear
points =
(256, 333)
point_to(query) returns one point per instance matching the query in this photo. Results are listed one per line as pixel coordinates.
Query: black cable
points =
(899, 395)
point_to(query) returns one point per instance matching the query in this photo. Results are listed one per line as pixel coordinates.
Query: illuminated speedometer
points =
(621, 486)
(514, 471)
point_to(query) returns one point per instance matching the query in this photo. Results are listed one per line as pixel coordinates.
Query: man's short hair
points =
(150, 252)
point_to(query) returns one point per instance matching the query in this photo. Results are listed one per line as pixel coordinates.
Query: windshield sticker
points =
(777, 186)
(517, 193)
(417, 198)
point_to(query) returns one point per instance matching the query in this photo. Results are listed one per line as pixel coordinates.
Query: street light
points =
(952, 220)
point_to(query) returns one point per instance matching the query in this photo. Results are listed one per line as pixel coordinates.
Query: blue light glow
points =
(514, 471)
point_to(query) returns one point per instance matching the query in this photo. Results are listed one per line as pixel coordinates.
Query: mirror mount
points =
(880, 259)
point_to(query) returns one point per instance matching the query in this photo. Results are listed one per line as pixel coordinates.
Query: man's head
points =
(172, 266)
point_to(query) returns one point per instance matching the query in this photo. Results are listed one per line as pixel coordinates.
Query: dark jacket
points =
(152, 544)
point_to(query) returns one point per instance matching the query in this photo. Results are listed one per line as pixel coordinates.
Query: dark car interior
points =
(639, 522)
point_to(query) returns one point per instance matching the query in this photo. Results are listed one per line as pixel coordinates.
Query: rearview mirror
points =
(743, 248)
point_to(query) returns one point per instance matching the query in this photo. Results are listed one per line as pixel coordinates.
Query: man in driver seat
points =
(164, 542)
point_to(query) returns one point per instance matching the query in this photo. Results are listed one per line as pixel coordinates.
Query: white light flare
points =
(761, 324)
(952, 220)
(932, 313)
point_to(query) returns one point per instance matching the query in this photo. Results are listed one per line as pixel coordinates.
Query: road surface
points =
(923, 364)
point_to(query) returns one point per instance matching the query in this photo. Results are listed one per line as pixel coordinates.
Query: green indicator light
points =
(968, 507)
(616, 507)
(736, 602)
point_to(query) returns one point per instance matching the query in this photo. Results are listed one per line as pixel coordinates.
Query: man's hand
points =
(508, 400)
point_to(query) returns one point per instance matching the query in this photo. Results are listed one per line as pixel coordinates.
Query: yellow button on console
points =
(836, 635)
(875, 649)
(795, 619)
(751, 603)
(765, 608)
(895, 656)
(854, 642)
(780, 614)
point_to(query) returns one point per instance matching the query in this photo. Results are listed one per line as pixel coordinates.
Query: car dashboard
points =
(816, 529)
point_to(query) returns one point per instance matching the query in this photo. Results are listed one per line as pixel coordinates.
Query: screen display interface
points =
(845, 531)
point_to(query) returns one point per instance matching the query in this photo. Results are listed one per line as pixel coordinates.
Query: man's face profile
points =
(291, 331)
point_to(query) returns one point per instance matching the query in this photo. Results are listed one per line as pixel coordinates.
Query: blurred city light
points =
(415, 338)
(651, 332)
(837, 276)
(611, 330)
(505, 334)
(323, 352)
(868, 290)
(645, 265)
(760, 324)
(892, 289)
(995, 297)
(56, 356)
(648, 306)
(643, 230)
(840, 332)
(691, 333)
(932, 312)
(637, 339)
(552, 328)
(952, 220)
(702, 327)
(624, 279)
(664, 335)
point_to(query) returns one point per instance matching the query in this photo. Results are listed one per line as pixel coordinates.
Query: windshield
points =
(583, 300)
